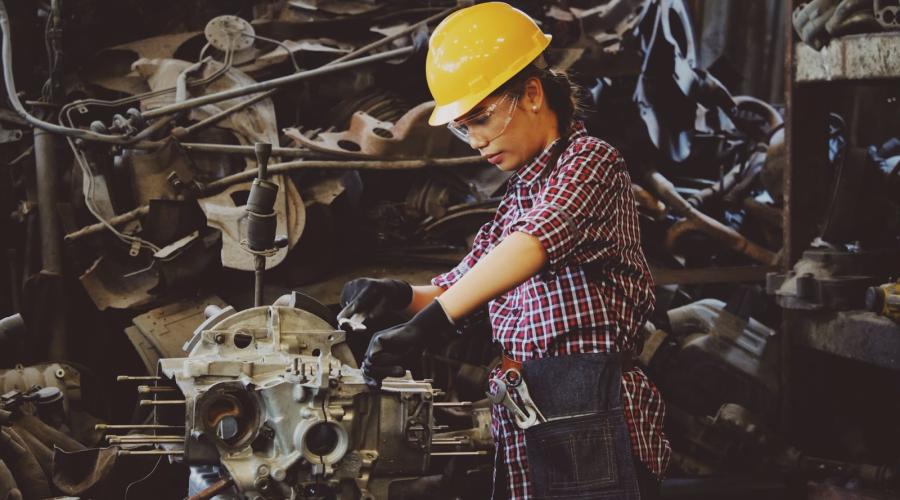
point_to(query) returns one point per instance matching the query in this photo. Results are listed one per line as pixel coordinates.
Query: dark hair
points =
(565, 97)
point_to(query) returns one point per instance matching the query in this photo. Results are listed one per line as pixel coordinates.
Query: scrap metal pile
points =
(130, 156)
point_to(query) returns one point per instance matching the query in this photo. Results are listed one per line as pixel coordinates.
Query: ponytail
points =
(565, 97)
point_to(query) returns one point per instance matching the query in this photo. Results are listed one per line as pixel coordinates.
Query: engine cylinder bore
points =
(229, 414)
(322, 442)
(321, 439)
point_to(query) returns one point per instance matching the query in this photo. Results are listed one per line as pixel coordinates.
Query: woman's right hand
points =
(370, 298)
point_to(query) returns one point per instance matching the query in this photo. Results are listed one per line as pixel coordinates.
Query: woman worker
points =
(560, 268)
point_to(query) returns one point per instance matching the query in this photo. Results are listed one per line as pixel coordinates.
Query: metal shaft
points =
(150, 389)
(274, 83)
(149, 452)
(258, 280)
(162, 402)
(159, 427)
(136, 378)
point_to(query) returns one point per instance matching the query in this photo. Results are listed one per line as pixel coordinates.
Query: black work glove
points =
(366, 298)
(430, 327)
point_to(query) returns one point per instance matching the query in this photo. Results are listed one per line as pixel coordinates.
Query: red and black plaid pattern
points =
(594, 294)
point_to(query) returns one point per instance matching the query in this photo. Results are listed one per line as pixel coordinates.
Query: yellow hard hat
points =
(476, 50)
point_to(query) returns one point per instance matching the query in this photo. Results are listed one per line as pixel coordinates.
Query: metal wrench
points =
(514, 380)
(501, 397)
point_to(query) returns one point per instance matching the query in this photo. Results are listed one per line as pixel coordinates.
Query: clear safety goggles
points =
(487, 124)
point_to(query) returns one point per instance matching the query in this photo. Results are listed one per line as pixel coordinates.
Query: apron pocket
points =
(574, 457)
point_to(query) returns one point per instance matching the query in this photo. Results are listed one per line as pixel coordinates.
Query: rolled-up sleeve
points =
(480, 246)
(579, 195)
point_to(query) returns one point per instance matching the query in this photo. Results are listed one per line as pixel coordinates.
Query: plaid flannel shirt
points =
(593, 296)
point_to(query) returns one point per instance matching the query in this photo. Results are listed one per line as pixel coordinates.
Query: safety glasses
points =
(488, 123)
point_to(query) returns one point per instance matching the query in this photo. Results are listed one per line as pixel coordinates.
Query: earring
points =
(534, 108)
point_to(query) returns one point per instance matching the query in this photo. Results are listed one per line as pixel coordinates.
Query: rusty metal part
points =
(410, 137)
(115, 221)
(647, 203)
(772, 216)
(214, 489)
(695, 220)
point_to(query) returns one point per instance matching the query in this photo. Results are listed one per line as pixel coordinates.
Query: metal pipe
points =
(46, 166)
(283, 168)
(274, 83)
(695, 220)
(47, 177)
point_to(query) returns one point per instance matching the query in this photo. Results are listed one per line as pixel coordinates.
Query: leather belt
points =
(508, 362)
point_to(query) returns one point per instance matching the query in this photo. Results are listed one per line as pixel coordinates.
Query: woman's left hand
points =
(430, 327)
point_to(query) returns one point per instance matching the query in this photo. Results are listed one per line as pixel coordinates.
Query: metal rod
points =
(146, 440)
(151, 389)
(453, 403)
(282, 168)
(225, 113)
(113, 221)
(138, 437)
(213, 489)
(246, 150)
(457, 453)
(162, 402)
(127, 378)
(150, 452)
(274, 83)
(260, 268)
(105, 427)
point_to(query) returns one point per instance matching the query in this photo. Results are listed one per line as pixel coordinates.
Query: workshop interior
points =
(187, 185)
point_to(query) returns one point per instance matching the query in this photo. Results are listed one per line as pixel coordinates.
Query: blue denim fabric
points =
(583, 450)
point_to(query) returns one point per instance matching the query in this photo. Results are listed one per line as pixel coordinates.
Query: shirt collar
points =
(531, 171)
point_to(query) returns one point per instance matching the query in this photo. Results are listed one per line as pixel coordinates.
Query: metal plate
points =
(232, 32)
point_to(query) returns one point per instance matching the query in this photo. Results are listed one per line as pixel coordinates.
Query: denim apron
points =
(584, 449)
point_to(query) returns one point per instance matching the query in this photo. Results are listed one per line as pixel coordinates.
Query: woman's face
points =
(509, 130)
